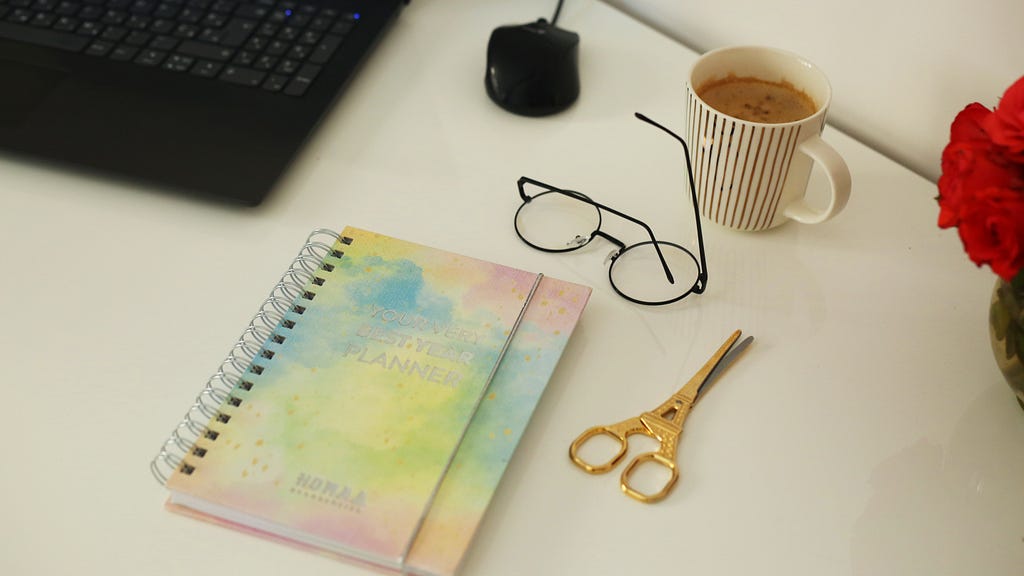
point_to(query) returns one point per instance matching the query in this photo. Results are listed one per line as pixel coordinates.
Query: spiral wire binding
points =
(251, 345)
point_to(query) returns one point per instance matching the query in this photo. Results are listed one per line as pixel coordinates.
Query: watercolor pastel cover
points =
(377, 417)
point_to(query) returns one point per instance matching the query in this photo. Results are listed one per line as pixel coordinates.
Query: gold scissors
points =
(664, 424)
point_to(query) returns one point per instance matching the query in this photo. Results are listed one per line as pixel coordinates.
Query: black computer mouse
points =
(533, 69)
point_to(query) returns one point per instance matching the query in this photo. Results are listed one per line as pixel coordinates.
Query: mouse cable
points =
(558, 10)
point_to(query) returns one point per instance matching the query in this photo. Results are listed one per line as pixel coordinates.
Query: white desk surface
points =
(867, 431)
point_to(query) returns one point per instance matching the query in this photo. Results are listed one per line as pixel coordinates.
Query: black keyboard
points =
(275, 45)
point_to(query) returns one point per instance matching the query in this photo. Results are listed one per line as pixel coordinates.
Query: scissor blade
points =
(691, 389)
(724, 363)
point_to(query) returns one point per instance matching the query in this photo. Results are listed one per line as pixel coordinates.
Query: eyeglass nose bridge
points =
(619, 244)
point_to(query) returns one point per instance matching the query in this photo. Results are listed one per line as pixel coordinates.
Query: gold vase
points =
(1006, 328)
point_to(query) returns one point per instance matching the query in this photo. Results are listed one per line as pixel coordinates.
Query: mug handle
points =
(838, 177)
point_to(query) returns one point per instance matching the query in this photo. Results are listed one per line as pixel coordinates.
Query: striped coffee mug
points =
(753, 175)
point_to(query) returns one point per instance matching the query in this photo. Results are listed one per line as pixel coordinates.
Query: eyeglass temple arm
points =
(527, 180)
(650, 233)
(693, 195)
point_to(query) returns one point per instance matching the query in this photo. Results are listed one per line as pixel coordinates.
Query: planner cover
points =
(375, 419)
(497, 427)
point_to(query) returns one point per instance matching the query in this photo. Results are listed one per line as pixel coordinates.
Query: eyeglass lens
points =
(637, 273)
(557, 222)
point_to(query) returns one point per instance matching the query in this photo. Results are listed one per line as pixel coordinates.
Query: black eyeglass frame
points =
(700, 283)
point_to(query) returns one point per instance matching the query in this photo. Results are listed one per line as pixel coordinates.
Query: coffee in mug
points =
(754, 118)
(757, 100)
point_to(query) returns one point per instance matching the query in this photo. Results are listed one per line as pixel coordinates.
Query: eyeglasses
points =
(652, 272)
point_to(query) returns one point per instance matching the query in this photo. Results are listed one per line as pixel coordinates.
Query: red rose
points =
(1006, 125)
(970, 162)
(991, 227)
(969, 126)
(981, 190)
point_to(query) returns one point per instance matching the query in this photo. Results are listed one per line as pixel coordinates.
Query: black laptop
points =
(212, 97)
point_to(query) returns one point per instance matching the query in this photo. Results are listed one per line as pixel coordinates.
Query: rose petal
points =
(1006, 124)
(991, 229)
(969, 124)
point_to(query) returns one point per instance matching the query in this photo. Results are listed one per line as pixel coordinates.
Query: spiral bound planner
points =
(370, 407)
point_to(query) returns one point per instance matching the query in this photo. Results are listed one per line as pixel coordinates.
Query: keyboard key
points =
(277, 47)
(43, 19)
(237, 31)
(178, 63)
(186, 31)
(257, 43)
(20, 16)
(288, 67)
(67, 8)
(138, 38)
(275, 83)
(123, 53)
(150, 57)
(211, 35)
(90, 29)
(268, 29)
(163, 26)
(142, 7)
(309, 71)
(243, 76)
(252, 11)
(165, 43)
(265, 62)
(207, 69)
(99, 48)
(223, 6)
(325, 49)
(303, 79)
(114, 17)
(288, 33)
(190, 15)
(321, 23)
(278, 16)
(165, 10)
(205, 51)
(343, 27)
(244, 58)
(213, 20)
(91, 12)
(66, 24)
(138, 22)
(114, 34)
